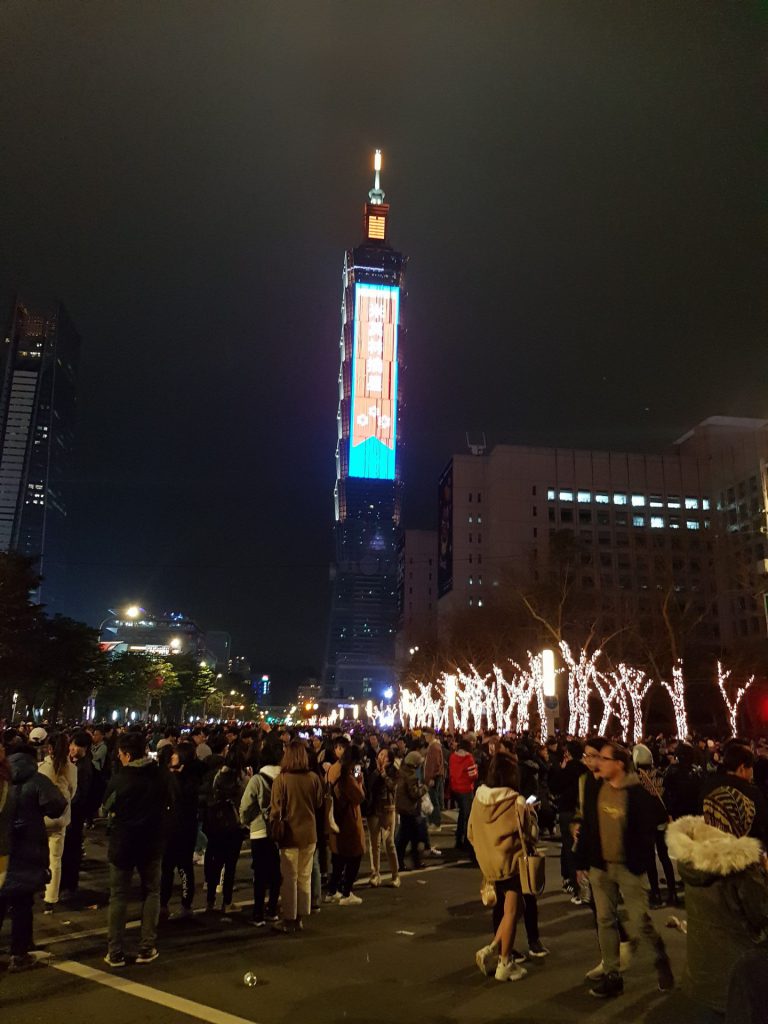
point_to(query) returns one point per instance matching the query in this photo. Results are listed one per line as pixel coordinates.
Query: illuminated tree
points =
(677, 692)
(732, 705)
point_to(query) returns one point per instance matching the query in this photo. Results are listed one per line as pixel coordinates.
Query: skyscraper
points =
(38, 395)
(361, 644)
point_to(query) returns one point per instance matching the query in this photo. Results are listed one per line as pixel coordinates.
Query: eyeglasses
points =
(601, 758)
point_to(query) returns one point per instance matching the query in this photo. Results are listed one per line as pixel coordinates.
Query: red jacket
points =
(462, 771)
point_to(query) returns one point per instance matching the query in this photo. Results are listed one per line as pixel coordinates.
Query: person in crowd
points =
(183, 782)
(38, 740)
(30, 798)
(462, 769)
(615, 842)
(651, 779)
(254, 815)
(408, 795)
(171, 737)
(320, 856)
(63, 774)
(345, 782)
(297, 796)
(72, 855)
(546, 810)
(223, 829)
(564, 783)
(682, 782)
(589, 784)
(138, 803)
(726, 894)
(101, 766)
(202, 750)
(494, 830)
(211, 765)
(434, 778)
(737, 778)
(381, 820)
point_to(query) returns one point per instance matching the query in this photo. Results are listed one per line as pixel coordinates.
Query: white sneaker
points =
(509, 971)
(334, 897)
(396, 883)
(434, 852)
(375, 881)
(487, 960)
(350, 901)
(596, 973)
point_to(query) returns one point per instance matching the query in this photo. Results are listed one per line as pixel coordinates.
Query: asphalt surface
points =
(404, 954)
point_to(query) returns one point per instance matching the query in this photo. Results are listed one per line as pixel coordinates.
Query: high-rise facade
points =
(38, 398)
(361, 645)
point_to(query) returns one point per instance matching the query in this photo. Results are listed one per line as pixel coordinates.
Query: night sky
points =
(579, 187)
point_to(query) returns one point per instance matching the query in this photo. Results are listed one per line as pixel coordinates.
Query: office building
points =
(142, 632)
(361, 643)
(416, 592)
(38, 398)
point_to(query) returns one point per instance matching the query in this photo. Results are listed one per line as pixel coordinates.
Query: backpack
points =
(264, 807)
(221, 813)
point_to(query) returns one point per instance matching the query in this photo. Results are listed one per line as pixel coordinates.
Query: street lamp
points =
(132, 611)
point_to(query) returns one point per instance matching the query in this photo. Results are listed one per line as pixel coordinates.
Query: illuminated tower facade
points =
(360, 659)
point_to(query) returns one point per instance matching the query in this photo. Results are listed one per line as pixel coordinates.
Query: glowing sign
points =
(377, 227)
(374, 382)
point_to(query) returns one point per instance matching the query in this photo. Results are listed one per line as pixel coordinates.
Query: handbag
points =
(532, 867)
(427, 806)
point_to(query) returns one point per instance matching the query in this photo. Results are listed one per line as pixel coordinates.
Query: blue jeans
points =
(436, 796)
(464, 804)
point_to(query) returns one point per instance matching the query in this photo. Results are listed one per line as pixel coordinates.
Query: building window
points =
(619, 499)
(657, 522)
(479, 602)
(673, 501)
(551, 512)
(533, 490)
(479, 538)
(691, 524)
(470, 519)
(535, 531)
(638, 500)
(656, 501)
(479, 496)
(470, 496)
(470, 581)
(479, 559)
(585, 515)
(479, 519)
(566, 495)
(638, 520)
(691, 502)
(566, 515)
(674, 522)
(584, 497)
(603, 499)
(550, 494)
(534, 511)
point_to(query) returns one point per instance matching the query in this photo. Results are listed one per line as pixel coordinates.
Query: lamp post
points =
(551, 702)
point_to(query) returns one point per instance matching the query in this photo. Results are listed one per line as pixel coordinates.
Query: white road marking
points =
(151, 995)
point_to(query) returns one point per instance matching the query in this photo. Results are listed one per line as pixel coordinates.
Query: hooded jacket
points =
(32, 797)
(494, 831)
(726, 897)
(640, 824)
(409, 790)
(139, 799)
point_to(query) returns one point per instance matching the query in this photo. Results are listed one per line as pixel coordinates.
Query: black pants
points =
(567, 866)
(666, 864)
(19, 906)
(178, 859)
(72, 853)
(343, 874)
(408, 833)
(265, 861)
(221, 855)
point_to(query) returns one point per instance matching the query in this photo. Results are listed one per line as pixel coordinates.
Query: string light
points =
(636, 686)
(581, 678)
(732, 706)
(610, 687)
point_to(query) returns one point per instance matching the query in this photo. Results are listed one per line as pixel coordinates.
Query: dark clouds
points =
(578, 187)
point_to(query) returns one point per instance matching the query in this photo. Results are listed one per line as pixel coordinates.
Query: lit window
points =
(691, 502)
(566, 495)
(619, 499)
(673, 502)
(657, 522)
(584, 497)
(479, 602)
(638, 500)
(470, 581)
(603, 499)
(550, 494)
(705, 504)
(470, 519)
(479, 519)
(471, 602)
(674, 522)
(691, 524)
(656, 501)
(706, 524)
(638, 520)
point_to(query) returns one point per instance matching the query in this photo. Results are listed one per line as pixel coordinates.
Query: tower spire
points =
(376, 195)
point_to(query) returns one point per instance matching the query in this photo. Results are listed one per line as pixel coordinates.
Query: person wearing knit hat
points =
(652, 780)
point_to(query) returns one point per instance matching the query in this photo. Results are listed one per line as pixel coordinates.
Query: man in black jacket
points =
(137, 801)
(615, 842)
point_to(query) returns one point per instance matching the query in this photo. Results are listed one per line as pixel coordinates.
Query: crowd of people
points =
(310, 804)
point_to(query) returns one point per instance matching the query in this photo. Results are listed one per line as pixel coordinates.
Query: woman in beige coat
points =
(57, 767)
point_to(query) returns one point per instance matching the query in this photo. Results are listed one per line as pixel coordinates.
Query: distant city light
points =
(388, 693)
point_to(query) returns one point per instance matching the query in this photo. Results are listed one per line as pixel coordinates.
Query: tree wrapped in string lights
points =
(731, 705)
(610, 687)
(677, 692)
(636, 685)
(581, 681)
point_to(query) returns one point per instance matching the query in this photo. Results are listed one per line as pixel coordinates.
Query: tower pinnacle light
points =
(376, 195)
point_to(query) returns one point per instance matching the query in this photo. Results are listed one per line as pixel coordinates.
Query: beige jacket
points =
(297, 797)
(494, 832)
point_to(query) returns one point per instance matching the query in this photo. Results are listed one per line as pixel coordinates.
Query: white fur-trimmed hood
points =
(704, 848)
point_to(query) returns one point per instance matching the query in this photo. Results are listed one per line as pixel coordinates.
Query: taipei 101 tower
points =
(360, 660)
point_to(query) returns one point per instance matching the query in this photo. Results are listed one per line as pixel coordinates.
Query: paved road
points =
(404, 954)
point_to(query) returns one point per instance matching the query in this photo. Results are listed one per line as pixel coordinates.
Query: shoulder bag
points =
(276, 825)
(532, 867)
